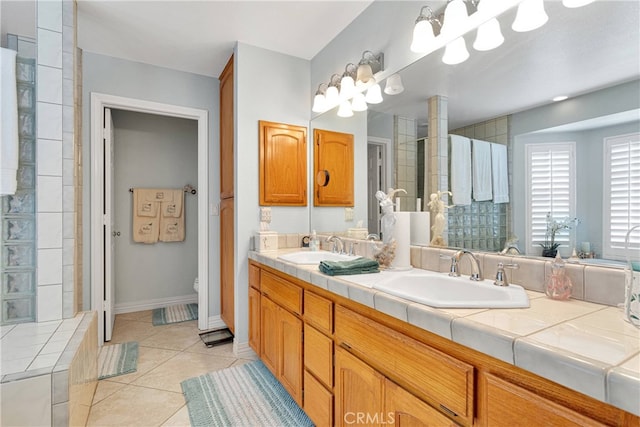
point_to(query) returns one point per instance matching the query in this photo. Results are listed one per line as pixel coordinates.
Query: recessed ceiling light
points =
(560, 98)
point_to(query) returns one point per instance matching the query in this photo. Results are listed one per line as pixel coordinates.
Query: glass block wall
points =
(18, 219)
(481, 225)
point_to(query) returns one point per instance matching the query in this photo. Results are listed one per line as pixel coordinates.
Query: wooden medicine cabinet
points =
(283, 164)
(333, 168)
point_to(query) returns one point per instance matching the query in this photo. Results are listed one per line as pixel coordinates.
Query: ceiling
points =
(577, 51)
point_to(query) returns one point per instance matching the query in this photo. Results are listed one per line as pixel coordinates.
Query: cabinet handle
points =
(447, 410)
(345, 345)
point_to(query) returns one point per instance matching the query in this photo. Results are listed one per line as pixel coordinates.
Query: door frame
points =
(99, 101)
(385, 146)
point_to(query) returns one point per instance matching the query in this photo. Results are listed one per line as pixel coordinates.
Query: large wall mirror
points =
(576, 53)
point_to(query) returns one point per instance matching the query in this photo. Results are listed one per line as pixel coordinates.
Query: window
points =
(550, 187)
(621, 193)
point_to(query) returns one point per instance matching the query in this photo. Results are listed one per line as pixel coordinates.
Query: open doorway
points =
(105, 194)
(376, 180)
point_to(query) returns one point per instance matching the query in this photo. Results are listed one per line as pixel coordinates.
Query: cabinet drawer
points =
(318, 402)
(281, 291)
(254, 276)
(318, 355)
(443, 381)
(319, 312)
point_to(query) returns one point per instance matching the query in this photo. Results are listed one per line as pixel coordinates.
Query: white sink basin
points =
(440, 290)
(308, 257)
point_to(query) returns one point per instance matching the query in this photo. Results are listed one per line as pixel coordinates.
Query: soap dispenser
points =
(558, 285)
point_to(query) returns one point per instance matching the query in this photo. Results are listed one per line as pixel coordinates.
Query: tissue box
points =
(357, 233)
(266, 241)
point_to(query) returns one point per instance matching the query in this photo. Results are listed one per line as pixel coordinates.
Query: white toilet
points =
(195, 285)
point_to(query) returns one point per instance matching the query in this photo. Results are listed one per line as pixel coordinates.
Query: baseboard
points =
(130, 307)
(243, 350)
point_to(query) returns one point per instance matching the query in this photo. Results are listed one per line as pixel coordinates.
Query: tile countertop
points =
(584, 346)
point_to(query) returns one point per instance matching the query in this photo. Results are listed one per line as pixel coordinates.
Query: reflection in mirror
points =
(503, 94)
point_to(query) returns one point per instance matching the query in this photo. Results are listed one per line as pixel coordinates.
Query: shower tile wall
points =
(481, 225)
(406, 131)
(18, 224)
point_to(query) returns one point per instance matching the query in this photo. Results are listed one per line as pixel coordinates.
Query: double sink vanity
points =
(419, 346)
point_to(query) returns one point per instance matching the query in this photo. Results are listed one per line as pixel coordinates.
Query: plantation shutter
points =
(550, 188)
(622, 192)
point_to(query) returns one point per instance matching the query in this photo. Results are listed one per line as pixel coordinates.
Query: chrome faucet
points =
(476, 271)
(501, 275)
(338, 244)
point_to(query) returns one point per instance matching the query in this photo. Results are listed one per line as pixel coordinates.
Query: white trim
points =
(132, 307)
(215, 322)
(243, 350)
(99, 101)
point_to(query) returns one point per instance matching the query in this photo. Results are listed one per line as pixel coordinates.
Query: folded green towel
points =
(356, 266)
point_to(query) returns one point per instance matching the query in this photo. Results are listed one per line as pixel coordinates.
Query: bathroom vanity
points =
(349, 354)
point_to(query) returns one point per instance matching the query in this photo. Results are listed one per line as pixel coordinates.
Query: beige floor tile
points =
(170, 374)
(225, 350)
(179, 419)
(140, 316)
(131, 330)
(135, 406)
(172, 337)
(105, 389)
(148, 358)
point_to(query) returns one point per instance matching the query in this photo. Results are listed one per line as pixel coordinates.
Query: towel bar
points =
(186, 189)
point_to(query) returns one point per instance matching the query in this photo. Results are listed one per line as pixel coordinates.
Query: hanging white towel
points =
(481, 158)
(499, 173)
(9, 143)
(460, 169)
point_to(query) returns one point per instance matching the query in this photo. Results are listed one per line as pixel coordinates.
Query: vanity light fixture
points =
(358, 103)
(347, 83)
(374, 94)
(332, 95)
(345, 109)
(394, 85)
(455, 15)
(488, 35)
(530, 15)
(576, 3)
(319, 101)
(367, 67)
(423, 31)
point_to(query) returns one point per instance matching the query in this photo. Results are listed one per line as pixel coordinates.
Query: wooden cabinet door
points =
(403, 409)
(283, 164)
(318, 401)
(269, 334)
(290, 354)
(358, 392)
(254, 319)
(333, 168)
(505, 404)
(226, 131)
(227, 263)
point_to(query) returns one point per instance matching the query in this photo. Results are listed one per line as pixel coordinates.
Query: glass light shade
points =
(332, 97)
(347, 87)
(365, 76)
(530, 15)
(422, 36)
(345, 109)
(576, 3)
(488, 36)
(358, 102)
(455, 52)
(394, 85)
(319, 104)
(374, 94)
(454, 15)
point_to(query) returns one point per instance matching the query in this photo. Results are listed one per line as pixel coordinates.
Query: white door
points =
(375, 182)
(110, 233)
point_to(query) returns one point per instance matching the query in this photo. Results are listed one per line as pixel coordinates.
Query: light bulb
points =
(422, 36)
(347, 87)
(374, 94)
(319, 104)
(530, 15)
(332, 97)
(488, 36)
(454, 16)
(456, 52)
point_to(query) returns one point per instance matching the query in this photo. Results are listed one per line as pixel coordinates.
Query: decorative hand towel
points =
(460, 169)
(159, 195)
(145, 228)
(144, 202)
(481, 158)
(172, 218)
(499, 173)
(9, 144)
(357, 266)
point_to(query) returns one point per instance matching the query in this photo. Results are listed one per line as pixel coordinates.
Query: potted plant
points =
(550, 246)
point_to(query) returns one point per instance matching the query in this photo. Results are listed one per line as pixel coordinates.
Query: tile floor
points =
(167, 355)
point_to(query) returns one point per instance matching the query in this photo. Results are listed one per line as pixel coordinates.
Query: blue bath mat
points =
(175, 314)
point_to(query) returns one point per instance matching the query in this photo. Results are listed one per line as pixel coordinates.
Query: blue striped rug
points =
(245, 395)
(117, 359)
(175, 314)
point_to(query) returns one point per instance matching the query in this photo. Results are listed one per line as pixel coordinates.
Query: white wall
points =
(113, 76)
(153, 151)
(275, 87)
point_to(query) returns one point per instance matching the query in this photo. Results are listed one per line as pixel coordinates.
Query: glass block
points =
(27, 150)
(26, 123)
(26, 177)
(18, 229)
(18, 283)
(18, 256)
(26, 98)
(23, 202)
(17, 310)
(26, 71)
